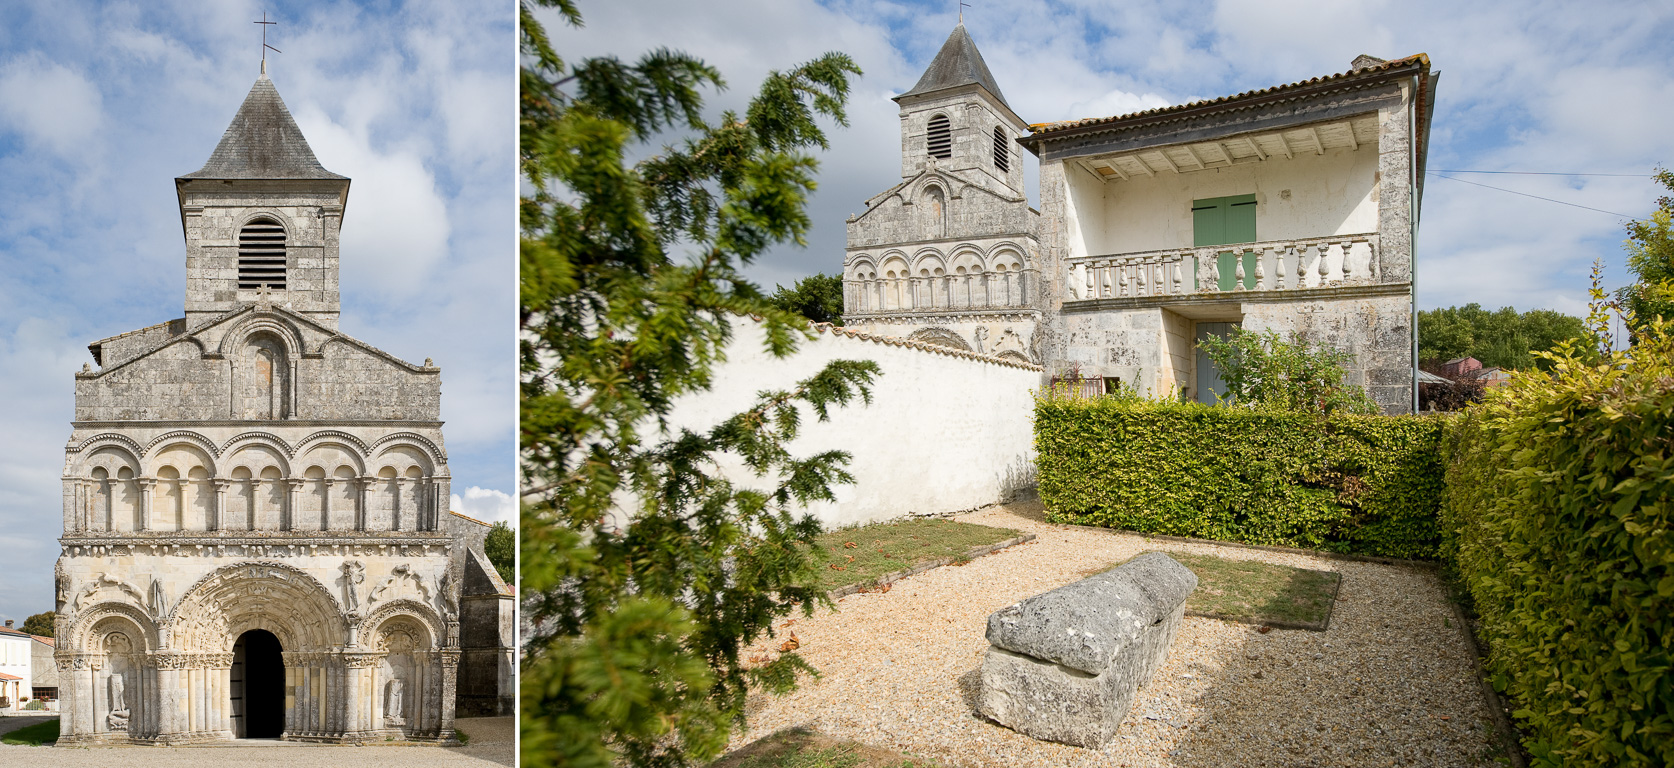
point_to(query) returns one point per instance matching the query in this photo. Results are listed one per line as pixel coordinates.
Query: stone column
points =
(146, 486)
(77, 707)
(450, 687)
(287, 518)
(325, 503)
(360, 694)
(365, 520)
(218, 512)
(171, 697)
(398, 521)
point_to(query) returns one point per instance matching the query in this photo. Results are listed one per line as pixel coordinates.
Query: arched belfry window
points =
(1002, 151)
(940, 138)
(261, 255)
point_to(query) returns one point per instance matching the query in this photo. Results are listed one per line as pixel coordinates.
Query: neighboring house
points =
(16, 658)
(1493, 377)
(1460, 367)
(43, 673)
(1292, 208)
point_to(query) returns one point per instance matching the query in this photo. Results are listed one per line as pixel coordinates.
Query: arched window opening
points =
(1002, 151)
(261, 255)
(940, 138)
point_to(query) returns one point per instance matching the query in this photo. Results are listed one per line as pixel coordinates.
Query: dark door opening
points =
(258, 686)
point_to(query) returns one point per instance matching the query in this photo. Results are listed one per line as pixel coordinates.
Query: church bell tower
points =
(261, 218)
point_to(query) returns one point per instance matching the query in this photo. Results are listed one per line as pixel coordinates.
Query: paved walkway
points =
(492, 743)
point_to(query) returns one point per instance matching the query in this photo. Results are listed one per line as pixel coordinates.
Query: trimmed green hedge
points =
(1359, 484)
(1560, 494)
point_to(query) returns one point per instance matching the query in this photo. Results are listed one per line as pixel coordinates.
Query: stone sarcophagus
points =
(1064, 665)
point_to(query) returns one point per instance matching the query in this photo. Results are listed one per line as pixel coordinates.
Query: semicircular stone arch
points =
(237, 598)
(941, 337)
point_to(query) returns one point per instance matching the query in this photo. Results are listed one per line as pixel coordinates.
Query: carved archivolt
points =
(111, 438)
(260, 595)
(403, 582)
(181, 436)
(411, 438)
(85, 632)
(940, 337)
(101, 587)
(420, 621)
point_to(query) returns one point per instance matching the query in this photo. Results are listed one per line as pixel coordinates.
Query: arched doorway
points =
(258, 686)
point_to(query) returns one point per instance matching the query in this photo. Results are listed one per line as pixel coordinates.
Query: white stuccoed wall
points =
(946, 431)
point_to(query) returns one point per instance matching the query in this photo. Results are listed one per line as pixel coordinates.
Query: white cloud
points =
(50, 105)
(487, 505)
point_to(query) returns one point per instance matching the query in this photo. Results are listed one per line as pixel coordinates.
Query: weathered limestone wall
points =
(945, 431)
(1376, 330)
(1179, 353)
(1308, 196)
(1125, 344)
(311, 212)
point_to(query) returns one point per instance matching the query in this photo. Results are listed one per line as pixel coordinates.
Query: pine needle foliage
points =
(645, 570)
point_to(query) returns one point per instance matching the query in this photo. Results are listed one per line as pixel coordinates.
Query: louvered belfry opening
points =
(1002, 151)
(940, 139)
(261, 255)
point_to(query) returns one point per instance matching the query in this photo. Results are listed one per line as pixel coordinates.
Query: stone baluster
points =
(1238, 271)
(1301, 271)
(1348, 260)
(1214, 261)
(1261, 269)
(1122, 280)
(1279, 266)
(1159, 278)
(1139, 287)
(1324, 248)
(1179, 279)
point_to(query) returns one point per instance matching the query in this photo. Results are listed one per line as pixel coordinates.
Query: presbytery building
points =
(1292, 208)
(256, 533)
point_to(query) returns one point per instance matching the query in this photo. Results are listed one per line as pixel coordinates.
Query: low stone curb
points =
(1319, 626)
(891, 578)
(1508, 734)
(1320, 553)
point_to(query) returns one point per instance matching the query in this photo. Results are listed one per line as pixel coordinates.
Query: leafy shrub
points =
(1560, 494)
(1340, 482)
(37, 704)
(1264, 369)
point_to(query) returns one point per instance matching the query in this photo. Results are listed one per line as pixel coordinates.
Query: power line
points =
(1554, 173)
(1525, 194)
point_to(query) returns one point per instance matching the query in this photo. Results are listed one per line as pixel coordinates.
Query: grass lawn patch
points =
(1254, 592)
(803, 748)
(863, 554)
(33, 735)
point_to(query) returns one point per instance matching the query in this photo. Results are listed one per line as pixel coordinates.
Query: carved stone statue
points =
(981, 336)
(353, 573)
(394, 694)
(118, 718)
(449, 596)
(158, 602)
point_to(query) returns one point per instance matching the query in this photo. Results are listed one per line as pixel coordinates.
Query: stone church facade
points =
(1292, 208)
(254, 537)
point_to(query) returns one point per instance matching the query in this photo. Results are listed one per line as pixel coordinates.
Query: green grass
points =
(33, 735)
(464, 738)
(803, 748)
(1260, 593)
(860, 555)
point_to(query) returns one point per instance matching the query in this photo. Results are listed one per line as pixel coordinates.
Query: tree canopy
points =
(1504, 338)
(645, 570)
(501, 548)
(1650, 247)
(39, 624)
(816, 297)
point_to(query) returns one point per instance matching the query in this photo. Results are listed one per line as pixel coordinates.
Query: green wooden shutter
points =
(1227, 221)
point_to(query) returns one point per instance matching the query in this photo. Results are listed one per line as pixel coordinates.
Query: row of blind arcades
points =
(257, 488)
(1000, 280)
(939, 142)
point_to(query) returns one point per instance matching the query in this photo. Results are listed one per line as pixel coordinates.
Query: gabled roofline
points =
(1418, 64)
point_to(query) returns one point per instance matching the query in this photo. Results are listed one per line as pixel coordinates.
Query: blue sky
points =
(1525, 85)
(102, 105)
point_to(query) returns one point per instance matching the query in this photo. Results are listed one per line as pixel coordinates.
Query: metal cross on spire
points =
(265, 47)
(962, 6)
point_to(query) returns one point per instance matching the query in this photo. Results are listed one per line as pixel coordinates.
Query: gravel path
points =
(491, 745)
(1390, 683)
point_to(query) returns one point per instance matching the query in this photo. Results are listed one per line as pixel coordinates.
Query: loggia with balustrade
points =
(978, 290)
(1277, 265)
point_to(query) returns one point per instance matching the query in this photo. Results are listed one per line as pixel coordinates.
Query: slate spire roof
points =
(263, 142)
(957, 63)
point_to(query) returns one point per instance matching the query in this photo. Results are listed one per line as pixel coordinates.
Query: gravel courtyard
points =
(1390, 683)
(491, 745)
